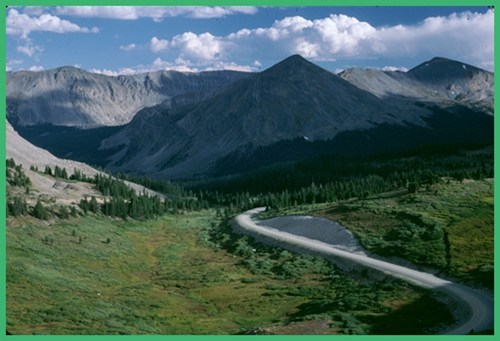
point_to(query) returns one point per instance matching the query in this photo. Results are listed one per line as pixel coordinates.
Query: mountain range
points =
(68, 96)
(227, 122)
(438, 80)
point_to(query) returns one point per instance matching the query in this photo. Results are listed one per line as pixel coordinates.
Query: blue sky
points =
(125, 40)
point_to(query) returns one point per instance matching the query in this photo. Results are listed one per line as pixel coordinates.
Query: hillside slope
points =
(292, 99)
(70, 96)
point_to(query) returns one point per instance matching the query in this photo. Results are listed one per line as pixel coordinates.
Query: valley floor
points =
(173, 275)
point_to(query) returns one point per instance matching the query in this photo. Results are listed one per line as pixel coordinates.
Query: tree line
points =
(321, 180)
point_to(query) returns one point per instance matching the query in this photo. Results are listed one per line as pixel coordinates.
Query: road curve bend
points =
(479, 304)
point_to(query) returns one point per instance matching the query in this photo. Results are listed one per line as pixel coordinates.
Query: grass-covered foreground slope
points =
(447, 226)
(178, 275)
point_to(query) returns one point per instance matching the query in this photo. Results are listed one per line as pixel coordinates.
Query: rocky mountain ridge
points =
(296, 108)
(294, 98)
(69, 96)
(439, 80)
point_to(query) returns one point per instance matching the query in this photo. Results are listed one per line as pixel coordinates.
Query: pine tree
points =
(84, 205)
(93, 205)
(64, 174)
(48, 170)
(40, 212)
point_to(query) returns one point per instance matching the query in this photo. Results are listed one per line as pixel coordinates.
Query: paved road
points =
(480, 304)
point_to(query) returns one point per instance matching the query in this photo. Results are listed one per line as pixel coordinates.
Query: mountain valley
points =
(122, 193)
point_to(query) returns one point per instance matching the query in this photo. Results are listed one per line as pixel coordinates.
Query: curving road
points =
(479, 304)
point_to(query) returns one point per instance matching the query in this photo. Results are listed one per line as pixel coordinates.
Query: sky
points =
(126, 40)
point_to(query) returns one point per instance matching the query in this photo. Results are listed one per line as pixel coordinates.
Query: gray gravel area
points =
(317, 228)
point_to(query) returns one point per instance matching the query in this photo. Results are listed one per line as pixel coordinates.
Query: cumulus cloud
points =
(158, 45)
(203, 46)
(320, 39)
(464, 36)
(21, 24)
(157, 13)
(129, 47)
(188, 45)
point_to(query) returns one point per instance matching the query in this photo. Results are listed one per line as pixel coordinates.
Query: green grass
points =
(172, 275)
(448, 227)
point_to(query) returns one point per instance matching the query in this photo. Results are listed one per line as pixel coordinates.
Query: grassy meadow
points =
(446, 226)
(178, 274)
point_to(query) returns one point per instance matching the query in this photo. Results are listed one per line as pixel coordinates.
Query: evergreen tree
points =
(17, 207)
(93, 205)
(84, 205)
(40, 212)
(48, 170)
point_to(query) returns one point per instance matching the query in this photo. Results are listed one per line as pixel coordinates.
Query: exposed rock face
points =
(294, 98)
(73, 97)
(206, 122)
(438, 79)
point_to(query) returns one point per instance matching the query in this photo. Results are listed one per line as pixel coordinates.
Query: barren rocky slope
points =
(74, 97)
(26, 154)
(294, 98)
(439, 79)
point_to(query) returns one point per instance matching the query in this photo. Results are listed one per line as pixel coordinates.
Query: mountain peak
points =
(295, 58)
(293, 65)
(68, 68)
(438, 59)
(294, 61)
(443, 67)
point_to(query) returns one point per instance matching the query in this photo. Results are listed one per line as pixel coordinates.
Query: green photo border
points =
(213, 3)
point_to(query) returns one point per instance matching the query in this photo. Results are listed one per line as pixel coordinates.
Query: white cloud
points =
(203, 46)
(29, 48)
(12, 62)
(21, 24)
(34, 10)
(106, 72)
(129, 47)
(394, 68)
(230, 66)
(158, 45)
(36, 68)
(188, 45)
(157, 13)
(180, 65)
(463, 36)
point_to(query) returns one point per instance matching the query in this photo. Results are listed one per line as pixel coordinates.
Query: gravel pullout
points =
(321, 229)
